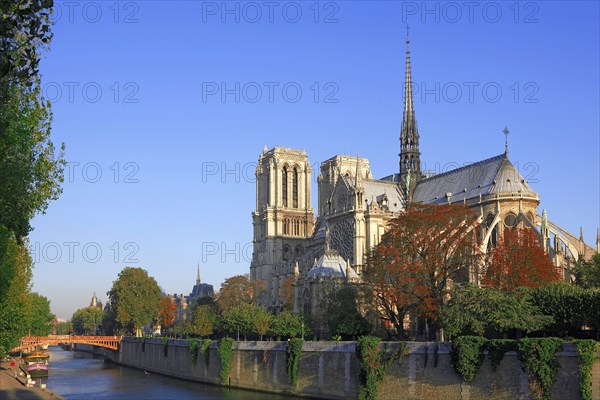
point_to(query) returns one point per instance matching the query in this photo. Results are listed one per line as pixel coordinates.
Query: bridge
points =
(108, 342)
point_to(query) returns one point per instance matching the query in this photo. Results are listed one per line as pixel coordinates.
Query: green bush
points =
(193, 350)
(497, 348)
(467, 355)
(587, 351)
(538, 354)
(293, 353)
(372, 369)
(225, 351)
(165, 342)
(204, 349)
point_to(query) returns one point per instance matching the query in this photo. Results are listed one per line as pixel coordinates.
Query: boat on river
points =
(36, 364)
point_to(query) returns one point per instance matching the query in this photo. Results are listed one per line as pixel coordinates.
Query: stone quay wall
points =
(331, 370)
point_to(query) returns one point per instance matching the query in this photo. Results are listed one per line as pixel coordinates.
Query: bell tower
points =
(283, 219)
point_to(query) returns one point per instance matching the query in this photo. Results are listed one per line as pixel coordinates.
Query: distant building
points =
(95, 303)
(184, 303)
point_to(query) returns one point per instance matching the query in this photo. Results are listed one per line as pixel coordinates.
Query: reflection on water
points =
(75, 375)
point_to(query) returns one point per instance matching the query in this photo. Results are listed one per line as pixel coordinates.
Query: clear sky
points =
(164, 108)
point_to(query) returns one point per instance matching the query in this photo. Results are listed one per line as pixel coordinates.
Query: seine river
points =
(76, 375)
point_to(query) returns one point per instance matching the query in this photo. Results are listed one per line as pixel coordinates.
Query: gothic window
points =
(530, 218)
(295, 189)
(306, 302)
(298, 252)
(284, 186)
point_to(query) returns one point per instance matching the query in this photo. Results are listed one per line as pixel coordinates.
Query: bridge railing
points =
(111, 342)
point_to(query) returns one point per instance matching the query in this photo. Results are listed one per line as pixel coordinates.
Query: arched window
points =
(295, 189)
(284, 186)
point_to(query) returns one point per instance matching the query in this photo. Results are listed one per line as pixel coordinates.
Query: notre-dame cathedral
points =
(354, 209)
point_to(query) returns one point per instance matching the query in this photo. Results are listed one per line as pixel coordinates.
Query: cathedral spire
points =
(410, 157)
(198, 274)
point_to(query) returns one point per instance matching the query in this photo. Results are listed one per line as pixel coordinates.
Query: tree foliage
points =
(15, 277)
(239, 289)
(38, 315)
(424, 248)
(246, 319)
(288, 325)
(24, 34)
(134, 299)
(343, 316)
(87, 320)
(286, 293)
(588, 272)
(61, 327)
(166, 312)
(570, 306)
(490, 312)
(519, 261)
(204, 320)
(30, 171)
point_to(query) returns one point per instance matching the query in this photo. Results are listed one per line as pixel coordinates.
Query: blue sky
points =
(164, 108)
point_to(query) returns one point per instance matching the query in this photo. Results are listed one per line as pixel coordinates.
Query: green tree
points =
(61, 327)
(87, 320)
(288, 325)
(204, 320)
(134, 300)
(246, 319)
(15, 277)
(38, 318)
(30, 173)
(343, 316)
(30, 170)
(587, 273)
(571, 307)
(24, 34)
(490, 312)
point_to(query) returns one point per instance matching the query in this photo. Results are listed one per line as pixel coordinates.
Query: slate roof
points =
(331, 265)
(377, 189)
(494, 175)
(202, 290)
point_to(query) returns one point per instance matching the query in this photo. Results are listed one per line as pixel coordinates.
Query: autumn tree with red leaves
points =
(424, 248)
(166, 312)
(519, 261)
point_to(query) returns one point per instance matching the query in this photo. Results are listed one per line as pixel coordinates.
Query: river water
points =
(76, 375)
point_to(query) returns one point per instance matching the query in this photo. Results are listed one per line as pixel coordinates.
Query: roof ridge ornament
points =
(506, 132)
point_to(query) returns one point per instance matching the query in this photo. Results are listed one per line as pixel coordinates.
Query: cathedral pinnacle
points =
(410, 157)
(506, 132)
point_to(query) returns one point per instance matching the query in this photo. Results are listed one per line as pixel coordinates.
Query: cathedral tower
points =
(410, 157)
(283, 218)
